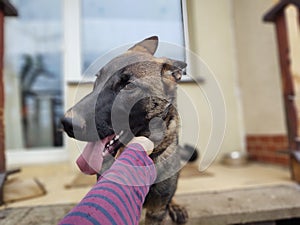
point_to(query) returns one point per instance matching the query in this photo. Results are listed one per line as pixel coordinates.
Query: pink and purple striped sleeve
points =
(118, 196)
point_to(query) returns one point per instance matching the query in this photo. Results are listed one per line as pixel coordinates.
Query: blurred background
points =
(50, 44)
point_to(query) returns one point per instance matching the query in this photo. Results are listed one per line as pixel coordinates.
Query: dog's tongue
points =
(90, 160)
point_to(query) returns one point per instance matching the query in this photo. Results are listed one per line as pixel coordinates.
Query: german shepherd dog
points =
(135, 95)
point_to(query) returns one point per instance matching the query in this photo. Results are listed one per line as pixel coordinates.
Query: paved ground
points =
(218, 208)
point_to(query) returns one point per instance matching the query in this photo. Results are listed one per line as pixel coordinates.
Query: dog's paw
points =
(178, 213)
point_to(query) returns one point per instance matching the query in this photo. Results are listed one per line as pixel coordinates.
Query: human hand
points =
(146, 143)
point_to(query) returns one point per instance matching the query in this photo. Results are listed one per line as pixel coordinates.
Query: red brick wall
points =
(264, 148)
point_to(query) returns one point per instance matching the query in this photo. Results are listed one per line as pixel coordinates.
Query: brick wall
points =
(264, 148)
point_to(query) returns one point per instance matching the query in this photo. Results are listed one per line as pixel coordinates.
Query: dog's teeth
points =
(118, 136)
(112, 141)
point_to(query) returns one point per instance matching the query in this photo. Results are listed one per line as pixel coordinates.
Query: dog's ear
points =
(172, 69)
(149, 45)
(171, 73)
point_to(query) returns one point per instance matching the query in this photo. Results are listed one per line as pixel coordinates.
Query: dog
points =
(135, 95)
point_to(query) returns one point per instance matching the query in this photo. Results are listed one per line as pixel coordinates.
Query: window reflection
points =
(33, 74)
(107, 25)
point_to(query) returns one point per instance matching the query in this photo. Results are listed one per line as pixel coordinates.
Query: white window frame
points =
(72, 41)
(186, 40)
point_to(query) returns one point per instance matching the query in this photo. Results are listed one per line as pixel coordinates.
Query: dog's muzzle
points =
(68, 126)
(73, 125)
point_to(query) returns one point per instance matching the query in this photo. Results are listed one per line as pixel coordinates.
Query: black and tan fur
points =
(129, 76)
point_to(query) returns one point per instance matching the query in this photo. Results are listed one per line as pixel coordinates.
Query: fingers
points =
(147, 144)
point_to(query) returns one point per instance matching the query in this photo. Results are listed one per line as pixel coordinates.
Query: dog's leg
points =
(156, 216)
(177, 212)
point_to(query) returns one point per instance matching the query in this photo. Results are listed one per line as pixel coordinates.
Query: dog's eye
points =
(130, 86)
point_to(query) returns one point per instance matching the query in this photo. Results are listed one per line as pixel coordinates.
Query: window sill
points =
(20, 157)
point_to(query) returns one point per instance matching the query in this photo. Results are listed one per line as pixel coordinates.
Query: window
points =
(107, 25)
(33, 74)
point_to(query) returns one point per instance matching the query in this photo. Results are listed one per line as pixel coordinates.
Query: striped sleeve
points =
(118, 196)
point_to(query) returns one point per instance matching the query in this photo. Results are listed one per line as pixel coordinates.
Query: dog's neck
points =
(171, 134)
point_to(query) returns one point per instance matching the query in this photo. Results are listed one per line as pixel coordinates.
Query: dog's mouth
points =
(91, 159)
(113, 145)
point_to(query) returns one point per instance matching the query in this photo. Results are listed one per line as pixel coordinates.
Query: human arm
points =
(118, 196)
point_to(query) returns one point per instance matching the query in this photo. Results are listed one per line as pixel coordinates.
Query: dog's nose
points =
(67, 123)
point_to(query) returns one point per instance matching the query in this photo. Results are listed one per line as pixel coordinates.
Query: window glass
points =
(107, 25)
(33, 74)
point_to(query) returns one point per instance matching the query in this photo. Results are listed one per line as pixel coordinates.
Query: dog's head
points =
(132, 95)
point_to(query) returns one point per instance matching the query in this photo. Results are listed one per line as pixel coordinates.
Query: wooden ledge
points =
(8, 8)
(273, 13)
